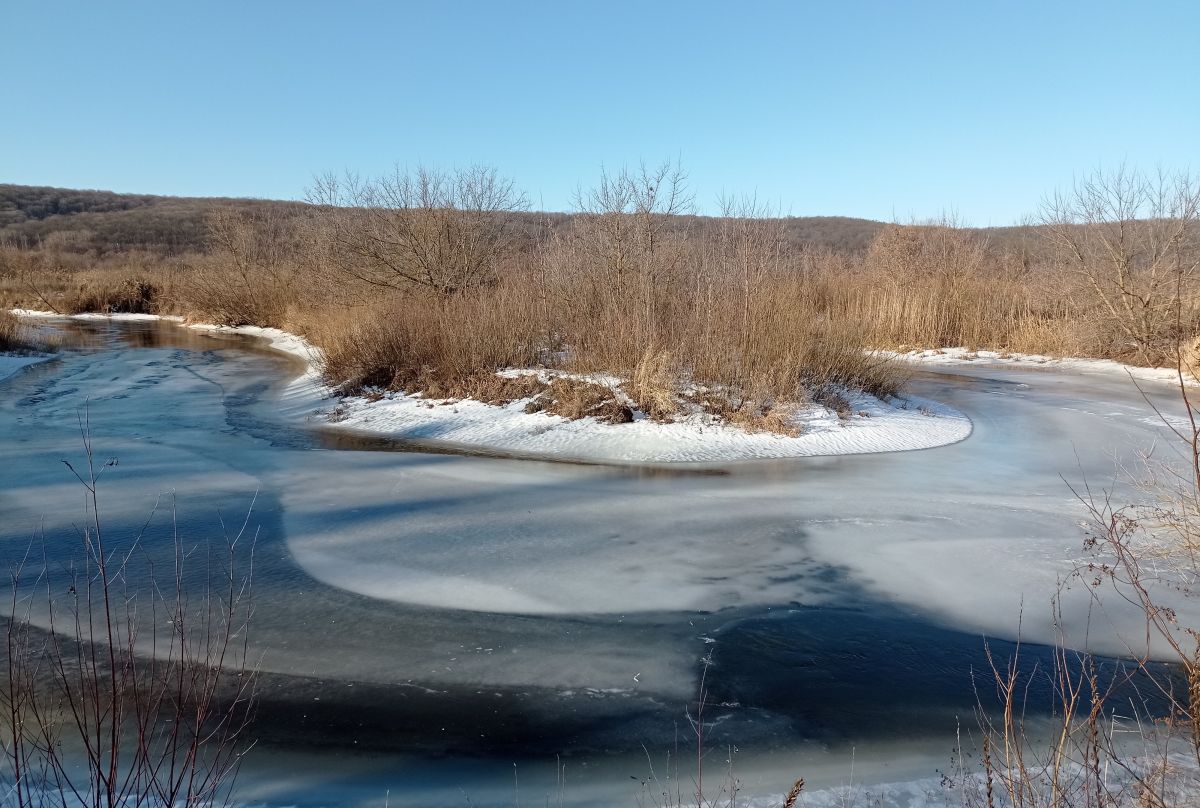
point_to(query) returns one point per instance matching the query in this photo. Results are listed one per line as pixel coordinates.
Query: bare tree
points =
(444, 231)
(1133, 242)
(254, 239)
(621, 221)
(625, 246)
(749, 249)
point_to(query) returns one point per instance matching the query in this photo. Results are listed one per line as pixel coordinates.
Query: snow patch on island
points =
(873, 425)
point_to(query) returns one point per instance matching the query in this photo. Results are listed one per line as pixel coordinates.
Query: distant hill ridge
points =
(105, 222)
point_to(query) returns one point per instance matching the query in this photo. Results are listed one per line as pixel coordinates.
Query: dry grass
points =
(111, 293)
(775, 419)
(73, 284)
(653, 385)
(735, 307)
(575, 399)
(657, 325)
(794, 794)
(429, 345)
(12, 334)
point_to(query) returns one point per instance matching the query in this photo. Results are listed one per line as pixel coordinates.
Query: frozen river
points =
(452, 628)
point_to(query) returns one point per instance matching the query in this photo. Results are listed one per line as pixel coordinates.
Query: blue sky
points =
(877, 109)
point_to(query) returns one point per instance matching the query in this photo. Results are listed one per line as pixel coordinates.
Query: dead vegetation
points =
(12, 333)
(433, 281)
(751, 416)
(111, 293)
(575, 399)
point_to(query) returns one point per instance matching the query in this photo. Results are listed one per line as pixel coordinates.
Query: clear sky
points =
(888, 110)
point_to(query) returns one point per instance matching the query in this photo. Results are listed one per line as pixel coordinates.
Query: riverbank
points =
(862, 423)
(962, 355)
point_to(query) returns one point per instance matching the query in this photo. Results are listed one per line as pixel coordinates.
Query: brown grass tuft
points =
(575, 399)
(652, 387)
(13, 336)
(111, 293)
(794, 794)
(776, 419)
(441, 347)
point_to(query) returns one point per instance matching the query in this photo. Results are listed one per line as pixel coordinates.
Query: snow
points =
(128, 317)
(276, 338)
(874, 426)
(961, 355)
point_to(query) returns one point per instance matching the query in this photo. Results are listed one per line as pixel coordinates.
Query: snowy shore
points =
(873, 425)
(965, 356)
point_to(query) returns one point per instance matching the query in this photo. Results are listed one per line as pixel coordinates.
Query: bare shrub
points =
(106, 707)
(615, 279)
(442, 231)
(253, 273)
(1131, 242)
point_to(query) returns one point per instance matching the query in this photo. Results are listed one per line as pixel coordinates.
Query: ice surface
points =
(598, 586)
(11, 363)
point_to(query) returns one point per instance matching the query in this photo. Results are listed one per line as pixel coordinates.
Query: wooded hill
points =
(103, 222)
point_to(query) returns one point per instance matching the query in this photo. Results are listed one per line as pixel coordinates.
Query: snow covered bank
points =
(277, 339)
(51, 315)
(871, 426)
(959, 356)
